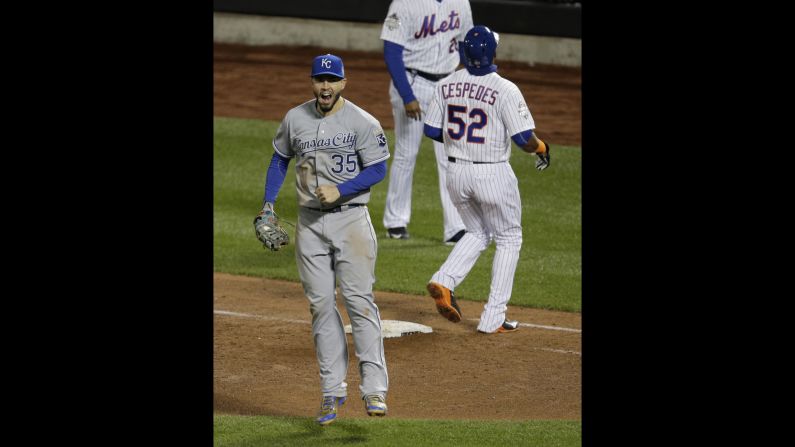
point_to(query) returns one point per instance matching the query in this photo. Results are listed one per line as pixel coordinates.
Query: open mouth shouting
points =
(327, 90)
(327, 99)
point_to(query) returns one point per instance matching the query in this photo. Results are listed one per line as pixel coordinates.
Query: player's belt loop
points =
(428, 76)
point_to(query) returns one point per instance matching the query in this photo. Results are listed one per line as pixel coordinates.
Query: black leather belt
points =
(453, 160)
(337, 209)
(428, 76)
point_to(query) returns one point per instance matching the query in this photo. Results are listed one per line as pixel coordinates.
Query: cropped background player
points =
(340, 152)
(476, 113)
(421, 39)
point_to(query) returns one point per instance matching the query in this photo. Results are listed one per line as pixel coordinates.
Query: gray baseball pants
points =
(342, 247)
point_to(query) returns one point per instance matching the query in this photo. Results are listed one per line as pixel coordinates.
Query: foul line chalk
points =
(541, 326)
(561, 351)
(238, 314)
(260, 317)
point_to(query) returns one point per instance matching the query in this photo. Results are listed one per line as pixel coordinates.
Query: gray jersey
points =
(330, 150)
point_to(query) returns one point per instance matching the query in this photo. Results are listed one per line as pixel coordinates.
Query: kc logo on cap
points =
(328, 64)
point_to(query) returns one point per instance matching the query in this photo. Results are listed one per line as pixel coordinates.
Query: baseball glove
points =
(268, 229)
(543, 159)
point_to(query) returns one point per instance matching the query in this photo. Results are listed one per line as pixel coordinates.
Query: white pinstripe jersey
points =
(429, 32)
(478, 115)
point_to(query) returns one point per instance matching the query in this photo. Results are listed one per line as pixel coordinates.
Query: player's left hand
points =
(268, 229)
(327, 194)
(543, 159)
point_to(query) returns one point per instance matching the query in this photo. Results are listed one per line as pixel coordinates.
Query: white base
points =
(395, 328)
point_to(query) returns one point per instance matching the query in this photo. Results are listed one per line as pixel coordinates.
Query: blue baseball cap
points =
(328, 64)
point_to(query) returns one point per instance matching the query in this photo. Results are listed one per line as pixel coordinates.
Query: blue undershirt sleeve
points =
(393, 56)
(368, 177)
(522, 137)
(434, 133)
(276, 173)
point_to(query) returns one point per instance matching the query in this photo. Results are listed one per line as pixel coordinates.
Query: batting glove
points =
(543, 159)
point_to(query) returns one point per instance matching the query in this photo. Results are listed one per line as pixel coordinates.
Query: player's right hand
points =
(543, 159)
(327, 194)
(413, 110)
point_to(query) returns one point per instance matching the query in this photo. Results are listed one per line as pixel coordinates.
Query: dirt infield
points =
(264, 360)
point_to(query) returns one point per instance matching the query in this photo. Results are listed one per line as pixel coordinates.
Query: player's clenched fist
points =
(327, 194)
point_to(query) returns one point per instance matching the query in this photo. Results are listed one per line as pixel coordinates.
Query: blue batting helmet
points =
(480, 45)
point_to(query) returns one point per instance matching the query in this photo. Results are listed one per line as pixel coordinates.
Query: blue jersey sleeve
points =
(393, 56)
(276, 173)
(522, 138)
(368, 177)
(434, 133)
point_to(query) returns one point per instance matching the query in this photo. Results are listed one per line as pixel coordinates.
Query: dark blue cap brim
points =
(326, 73)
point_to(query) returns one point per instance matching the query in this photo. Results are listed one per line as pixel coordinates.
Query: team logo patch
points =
(392, 22)
(524, 112)
(381, 139)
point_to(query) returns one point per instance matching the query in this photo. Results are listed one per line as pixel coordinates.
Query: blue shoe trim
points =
(328, 417)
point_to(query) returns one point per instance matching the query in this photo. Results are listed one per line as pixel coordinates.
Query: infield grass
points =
(251, 431)
(549, 273)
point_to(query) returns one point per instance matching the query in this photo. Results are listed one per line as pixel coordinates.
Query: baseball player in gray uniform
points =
(476, 113)
(421, 39)
(340, 152)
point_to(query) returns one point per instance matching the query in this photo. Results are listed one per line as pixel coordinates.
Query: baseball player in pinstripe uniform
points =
(476, 113)
(340, 152)
(421, 40)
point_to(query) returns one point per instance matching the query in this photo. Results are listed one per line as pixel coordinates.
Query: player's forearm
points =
(528, 142)
(275, 177)
(434, 133)
(368, 177)
(393, 57)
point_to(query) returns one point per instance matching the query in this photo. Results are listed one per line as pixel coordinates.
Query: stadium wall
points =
(255, 29)
(553, 18)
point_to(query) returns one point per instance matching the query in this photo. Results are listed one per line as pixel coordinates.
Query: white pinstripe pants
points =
(408, 136)
(487, 197)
